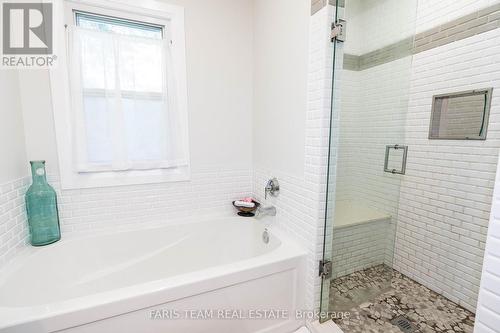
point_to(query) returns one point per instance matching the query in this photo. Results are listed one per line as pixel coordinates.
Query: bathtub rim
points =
(23, 255)
(78, 311)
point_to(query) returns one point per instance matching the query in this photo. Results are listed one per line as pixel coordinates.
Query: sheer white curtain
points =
(125, 115)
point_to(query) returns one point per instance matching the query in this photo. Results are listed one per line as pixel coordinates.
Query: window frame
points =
(113, 19)
(171, 18)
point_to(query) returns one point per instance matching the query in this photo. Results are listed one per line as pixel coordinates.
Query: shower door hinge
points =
(338, 32)
(325, 269)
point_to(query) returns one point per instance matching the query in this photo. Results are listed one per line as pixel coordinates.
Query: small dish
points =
(247, 211)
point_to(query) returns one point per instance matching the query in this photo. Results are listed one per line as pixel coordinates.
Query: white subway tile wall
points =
(13, 220)
(432, 13)
(350, 105)
(359, 247)
(394, 21)
(446, 194)
(373, 114)
(297, 215)
(488, 308)
(208, 194)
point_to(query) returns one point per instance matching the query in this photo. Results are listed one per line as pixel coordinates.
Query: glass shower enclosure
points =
(367, 155)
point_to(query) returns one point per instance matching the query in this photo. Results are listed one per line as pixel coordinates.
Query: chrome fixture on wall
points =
(402, 170)
(265, 211)
(338, 32)
(272, 187)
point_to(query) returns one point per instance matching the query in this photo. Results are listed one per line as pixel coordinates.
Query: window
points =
(126, 98)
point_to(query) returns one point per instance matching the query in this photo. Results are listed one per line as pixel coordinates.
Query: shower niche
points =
(461, 116)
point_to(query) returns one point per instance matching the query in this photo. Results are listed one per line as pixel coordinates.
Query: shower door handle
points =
(388, 149)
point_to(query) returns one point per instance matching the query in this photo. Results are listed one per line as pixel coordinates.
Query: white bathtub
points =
(146, 281)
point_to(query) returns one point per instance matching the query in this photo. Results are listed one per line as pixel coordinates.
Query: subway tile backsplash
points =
(13, 219)
(446, 194)
(209, 193)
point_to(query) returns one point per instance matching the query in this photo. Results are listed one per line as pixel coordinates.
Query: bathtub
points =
(209, 276)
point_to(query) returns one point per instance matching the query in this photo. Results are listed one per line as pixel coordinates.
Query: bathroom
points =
(250, 166)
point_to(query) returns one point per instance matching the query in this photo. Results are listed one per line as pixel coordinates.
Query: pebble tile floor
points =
(390, 295)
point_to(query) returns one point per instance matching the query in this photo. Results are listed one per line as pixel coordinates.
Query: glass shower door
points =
(367, 155)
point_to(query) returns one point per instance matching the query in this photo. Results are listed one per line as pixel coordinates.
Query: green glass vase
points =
(41, 206)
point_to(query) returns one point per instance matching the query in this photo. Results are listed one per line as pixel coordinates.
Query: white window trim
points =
(147, 11)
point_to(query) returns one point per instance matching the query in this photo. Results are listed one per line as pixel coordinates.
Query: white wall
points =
(281, 48)
(37, 116)
(13, 168)
(12, 150)
(220, 81)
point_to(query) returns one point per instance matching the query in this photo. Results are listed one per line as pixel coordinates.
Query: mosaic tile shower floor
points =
(428, 311)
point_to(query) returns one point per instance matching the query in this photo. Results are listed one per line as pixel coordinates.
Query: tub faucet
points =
(263, 211)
